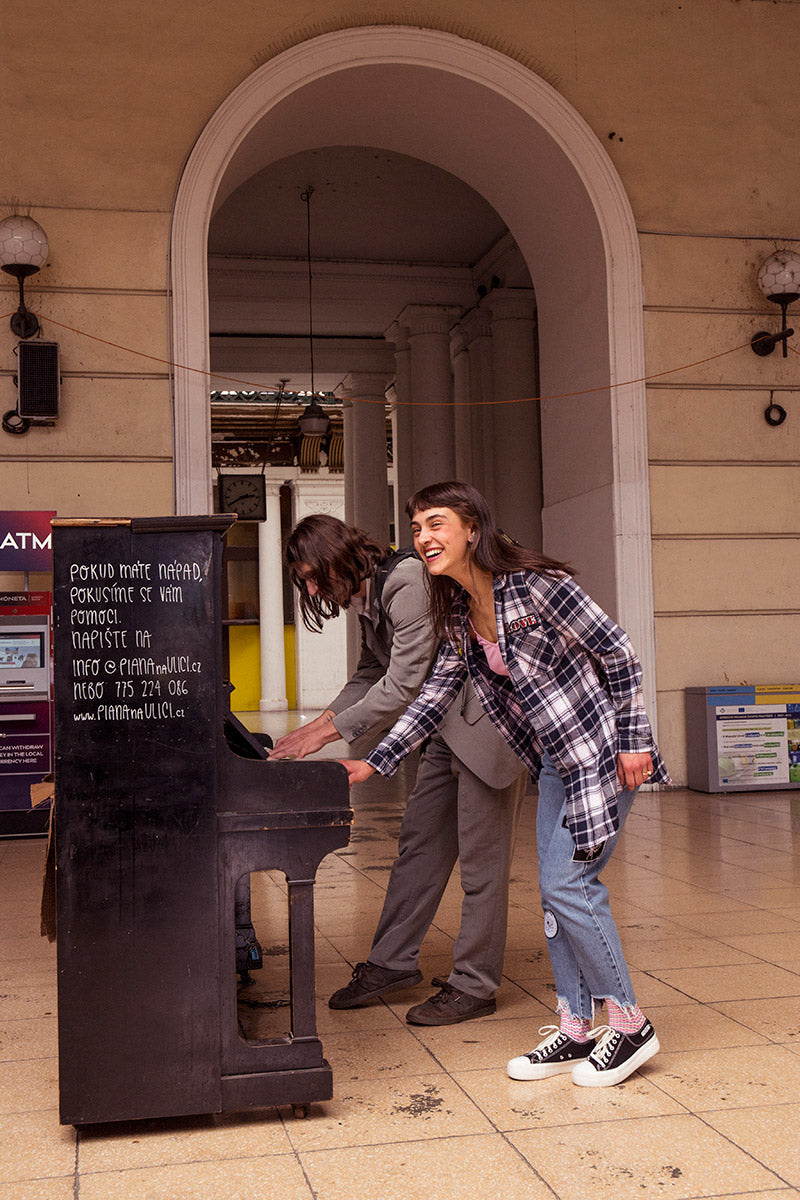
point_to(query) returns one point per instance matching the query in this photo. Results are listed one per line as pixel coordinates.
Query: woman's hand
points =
(358, 771)
(308, 738)
(634, 769)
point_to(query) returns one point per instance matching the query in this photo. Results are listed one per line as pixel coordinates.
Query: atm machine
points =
(26, 733)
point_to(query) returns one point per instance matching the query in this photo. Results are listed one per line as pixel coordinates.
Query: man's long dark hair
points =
(491, 549)
(339, 558)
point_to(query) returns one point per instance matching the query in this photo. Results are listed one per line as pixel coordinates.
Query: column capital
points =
(511, 304)
(367, 383)
(397, 334)
(273, 486)
(473, 325)
(428, 318)
(476, 323)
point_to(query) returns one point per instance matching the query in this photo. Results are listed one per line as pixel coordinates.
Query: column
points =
(394, 507)
(463, 414)
(517, 450)
(428, 328)
(320, 658)
(349, 472)
(270, 604)
(367, 457)
(397, 334)
(477, 326)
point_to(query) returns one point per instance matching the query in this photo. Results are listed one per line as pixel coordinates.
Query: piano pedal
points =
(248, 951)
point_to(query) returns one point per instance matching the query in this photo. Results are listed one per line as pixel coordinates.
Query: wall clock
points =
(245, 495)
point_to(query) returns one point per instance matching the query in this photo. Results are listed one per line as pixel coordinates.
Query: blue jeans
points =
(585, 950)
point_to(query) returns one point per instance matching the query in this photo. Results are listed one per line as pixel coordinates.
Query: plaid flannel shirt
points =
(573, 690)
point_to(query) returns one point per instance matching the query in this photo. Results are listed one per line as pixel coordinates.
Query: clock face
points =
(244, 495)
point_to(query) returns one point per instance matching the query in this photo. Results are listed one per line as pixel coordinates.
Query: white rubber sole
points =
(584, 1074)
(523, 1068)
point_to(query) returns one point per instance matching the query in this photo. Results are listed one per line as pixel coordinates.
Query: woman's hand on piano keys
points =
(308, 738)
(358, 771)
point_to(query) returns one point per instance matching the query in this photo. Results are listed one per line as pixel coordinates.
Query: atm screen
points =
(21, 650)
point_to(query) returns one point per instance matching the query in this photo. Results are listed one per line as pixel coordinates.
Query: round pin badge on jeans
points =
(550, 925)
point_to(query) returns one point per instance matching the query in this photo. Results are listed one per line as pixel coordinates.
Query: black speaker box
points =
(38, 380)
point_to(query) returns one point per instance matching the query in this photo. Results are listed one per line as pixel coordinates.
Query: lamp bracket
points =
(763, 343)
(23, 323)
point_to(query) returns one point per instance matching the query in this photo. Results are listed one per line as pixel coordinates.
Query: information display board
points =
(743, 738)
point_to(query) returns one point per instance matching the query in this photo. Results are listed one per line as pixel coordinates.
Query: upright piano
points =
(164, 802)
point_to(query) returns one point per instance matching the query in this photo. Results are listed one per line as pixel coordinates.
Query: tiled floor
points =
(707, 895)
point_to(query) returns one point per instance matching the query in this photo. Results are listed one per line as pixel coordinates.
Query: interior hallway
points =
(706, 890)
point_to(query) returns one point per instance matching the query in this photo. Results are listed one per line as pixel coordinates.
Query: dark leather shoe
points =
(369, 982)
(449, 1006)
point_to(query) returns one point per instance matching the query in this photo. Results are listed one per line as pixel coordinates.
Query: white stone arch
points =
(489, 120)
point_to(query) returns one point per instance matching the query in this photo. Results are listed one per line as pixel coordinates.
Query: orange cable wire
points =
(246, 384)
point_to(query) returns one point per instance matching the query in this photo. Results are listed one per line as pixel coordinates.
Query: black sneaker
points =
(369, 983)
(556, 1055)
(449, 1006)
(616, 1056)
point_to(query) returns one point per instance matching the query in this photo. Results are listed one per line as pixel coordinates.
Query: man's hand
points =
(634, 769)
(358, 771)
(308, 738)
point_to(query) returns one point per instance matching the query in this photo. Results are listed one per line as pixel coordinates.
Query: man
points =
(469, 784)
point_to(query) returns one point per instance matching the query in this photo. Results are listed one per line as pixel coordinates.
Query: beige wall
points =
(724, 485)
(102, 113)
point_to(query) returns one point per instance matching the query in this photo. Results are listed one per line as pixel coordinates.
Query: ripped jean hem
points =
(563, 1009)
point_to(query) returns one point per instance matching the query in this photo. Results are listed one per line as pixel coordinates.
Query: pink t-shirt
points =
(492, 651)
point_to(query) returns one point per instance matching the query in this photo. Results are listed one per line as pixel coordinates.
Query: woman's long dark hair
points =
(339, 557)
(491, 549)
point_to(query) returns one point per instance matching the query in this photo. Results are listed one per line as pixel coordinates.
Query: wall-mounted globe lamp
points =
(23, 251)
(779, 280)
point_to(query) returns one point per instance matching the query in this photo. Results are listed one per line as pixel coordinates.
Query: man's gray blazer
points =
(396, 654)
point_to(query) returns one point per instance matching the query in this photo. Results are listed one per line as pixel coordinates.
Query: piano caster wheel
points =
(300, 1111)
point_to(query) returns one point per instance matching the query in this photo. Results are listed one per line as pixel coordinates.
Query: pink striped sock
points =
(575, 1027)
(625, 1020)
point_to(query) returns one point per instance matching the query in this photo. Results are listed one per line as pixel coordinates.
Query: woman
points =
(468, 789)
(561, 682)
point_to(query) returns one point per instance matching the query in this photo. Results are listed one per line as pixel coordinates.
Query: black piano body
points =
(163, 804)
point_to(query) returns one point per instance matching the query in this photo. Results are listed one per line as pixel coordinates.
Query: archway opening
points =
(511, 138)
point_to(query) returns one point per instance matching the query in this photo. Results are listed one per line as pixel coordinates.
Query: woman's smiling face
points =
(443, 541)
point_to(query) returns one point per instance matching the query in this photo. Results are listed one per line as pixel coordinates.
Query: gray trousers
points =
(452, 814)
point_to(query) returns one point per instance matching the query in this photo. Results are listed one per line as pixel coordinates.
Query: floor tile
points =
(763, 1133)
(778, 1020)
(28, 1086)
(373, 1112)
(138, 1144)
(734, 1077)
(749, 982)
(780, 948)
(34, 1146)
(704, 890)
(478, 1045)
(699, 1027)
(39, 1189)
(28, 1038)
(485, 1167)
(515, 1104)
(664, 953)
(625, 1160)
(238, 1179)
(377, 1054)
(28, 1000)
(736, 924)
